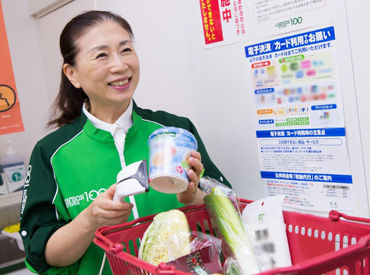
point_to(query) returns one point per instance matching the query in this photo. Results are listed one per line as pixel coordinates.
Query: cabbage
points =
(166, 239)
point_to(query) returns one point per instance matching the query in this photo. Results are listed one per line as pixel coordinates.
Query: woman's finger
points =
(109, 193)
(196, 154)
(193, 177)
(196, 165)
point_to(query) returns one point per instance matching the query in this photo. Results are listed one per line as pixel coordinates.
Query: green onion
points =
(229, 224)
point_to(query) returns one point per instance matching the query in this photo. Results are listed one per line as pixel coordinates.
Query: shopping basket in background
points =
(317, 245)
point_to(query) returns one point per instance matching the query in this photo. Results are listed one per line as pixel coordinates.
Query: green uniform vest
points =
(70, 167)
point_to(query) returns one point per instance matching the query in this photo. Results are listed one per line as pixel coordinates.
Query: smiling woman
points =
(107, 69)
(70, 191)
(90, 45)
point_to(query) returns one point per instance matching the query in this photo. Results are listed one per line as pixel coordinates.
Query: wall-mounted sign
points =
(300, 121)
(273, 17)
(223, 21)
(10, 114)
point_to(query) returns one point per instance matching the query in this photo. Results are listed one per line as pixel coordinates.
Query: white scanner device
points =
(132, 180)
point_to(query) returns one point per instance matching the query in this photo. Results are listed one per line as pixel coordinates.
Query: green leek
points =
(229, 224)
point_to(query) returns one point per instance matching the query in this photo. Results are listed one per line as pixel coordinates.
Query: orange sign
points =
(10, 113)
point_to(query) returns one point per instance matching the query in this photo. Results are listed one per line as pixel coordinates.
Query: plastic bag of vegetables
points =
(231, 267)
(168, 231)
(228, 223)
(207, 184)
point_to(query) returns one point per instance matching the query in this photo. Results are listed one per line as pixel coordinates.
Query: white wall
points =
(49, 28)
(350, 95)
(162, 40)
(360, 44)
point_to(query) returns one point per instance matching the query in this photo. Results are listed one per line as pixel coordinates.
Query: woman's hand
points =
(70, 242)
(104, 211)
(193, 195)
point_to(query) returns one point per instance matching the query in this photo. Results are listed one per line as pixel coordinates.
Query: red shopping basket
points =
(317, 245)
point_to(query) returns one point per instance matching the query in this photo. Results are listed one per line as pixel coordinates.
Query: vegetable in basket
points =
(168, 231)
(229, 224)
(231, 267)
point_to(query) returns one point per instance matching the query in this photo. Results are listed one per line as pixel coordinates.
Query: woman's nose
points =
(118, 64)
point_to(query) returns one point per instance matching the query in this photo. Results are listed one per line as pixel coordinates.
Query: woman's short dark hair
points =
(68, 103)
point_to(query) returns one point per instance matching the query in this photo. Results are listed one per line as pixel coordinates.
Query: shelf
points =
(10, 199)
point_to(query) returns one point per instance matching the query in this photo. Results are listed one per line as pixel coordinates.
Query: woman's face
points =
(106, 68)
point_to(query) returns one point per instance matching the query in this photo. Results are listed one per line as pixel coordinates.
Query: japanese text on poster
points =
(300, 122)
(10, 115)
(223, 21)
(273, 17)
(272, 9)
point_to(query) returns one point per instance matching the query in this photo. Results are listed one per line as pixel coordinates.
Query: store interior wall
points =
(360, 44)
(177, 75)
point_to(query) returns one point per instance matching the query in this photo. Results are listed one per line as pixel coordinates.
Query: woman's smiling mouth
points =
(120, 84)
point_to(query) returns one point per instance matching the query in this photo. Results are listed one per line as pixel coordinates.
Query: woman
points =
(70, 182)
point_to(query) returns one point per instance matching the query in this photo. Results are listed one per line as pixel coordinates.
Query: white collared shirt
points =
(118, 129)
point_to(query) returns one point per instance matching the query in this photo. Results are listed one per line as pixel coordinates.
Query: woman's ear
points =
(70, 73)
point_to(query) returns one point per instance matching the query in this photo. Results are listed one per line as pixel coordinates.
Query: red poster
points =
(10, 114)
(212, 27)
(223, 21)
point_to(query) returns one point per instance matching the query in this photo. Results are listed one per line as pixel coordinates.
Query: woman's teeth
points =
(119, 83)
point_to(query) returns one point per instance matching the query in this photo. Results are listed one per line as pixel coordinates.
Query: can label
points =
(170, 150)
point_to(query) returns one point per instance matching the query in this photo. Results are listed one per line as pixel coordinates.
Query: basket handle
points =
(335, 216)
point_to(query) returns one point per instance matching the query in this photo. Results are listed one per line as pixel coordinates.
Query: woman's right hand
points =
(104, 211)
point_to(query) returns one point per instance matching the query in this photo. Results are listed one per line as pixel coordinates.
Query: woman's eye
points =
(125, 50)
(101, 55)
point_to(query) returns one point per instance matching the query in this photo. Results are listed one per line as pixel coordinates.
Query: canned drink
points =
(170, 148)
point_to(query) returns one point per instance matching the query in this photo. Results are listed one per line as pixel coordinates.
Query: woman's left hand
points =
(193, 195)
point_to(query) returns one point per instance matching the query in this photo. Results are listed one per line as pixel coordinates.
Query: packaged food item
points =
(231, 267)
(169, 240)
(229, 224)
(13, 169)
(170, 149)
(204, 257)
(263, 220)
(168, 230)
(207, 185)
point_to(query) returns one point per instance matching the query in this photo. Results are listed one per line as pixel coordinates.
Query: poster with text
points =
(10, 114)
(300, 121)
(223, 21)
(273, 17)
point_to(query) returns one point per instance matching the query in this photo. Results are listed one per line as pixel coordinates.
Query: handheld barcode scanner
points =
(132, 180)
